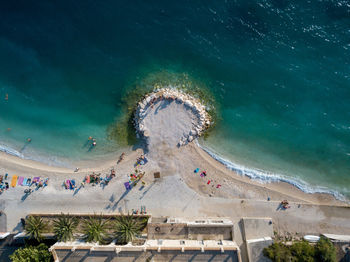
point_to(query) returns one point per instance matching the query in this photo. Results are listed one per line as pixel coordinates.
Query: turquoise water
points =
(279, 71)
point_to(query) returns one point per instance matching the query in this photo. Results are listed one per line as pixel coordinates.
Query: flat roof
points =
(159, 244)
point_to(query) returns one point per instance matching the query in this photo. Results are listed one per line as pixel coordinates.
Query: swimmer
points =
(29, 140)
(8, 129)
(7, 97)
(90, 137)
(94, 143)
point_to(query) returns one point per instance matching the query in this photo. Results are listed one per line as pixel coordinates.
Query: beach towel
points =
(36, 179)
(202, 175)
(20, 181)
(196, 170)
(127, 186)
(88, 179)
(14, 181)
(208, 182)
(72, 183)
(143, 161)
(24, 182)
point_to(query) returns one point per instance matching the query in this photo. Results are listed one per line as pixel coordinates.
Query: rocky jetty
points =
(200, 119)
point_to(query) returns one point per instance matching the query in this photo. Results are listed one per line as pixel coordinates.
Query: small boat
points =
(311, 238)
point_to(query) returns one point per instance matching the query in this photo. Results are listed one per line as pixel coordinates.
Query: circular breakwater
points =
(168, 114)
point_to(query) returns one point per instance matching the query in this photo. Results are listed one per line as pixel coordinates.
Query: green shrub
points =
(64, 227)
(302, 251)
(278, 252)
(95, 229)
(34, 228)
(38, 253)
(325, 250)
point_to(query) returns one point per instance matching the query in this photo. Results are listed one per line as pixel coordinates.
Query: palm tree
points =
(34, 227)
(126, 228)
(95, 229)
(64, 227)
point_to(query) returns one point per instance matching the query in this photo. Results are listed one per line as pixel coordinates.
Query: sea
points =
(278, 73)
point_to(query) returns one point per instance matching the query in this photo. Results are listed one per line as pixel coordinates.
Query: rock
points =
(188, 103)
(146, 133)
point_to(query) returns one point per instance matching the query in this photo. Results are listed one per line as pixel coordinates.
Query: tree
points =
(38, 253)
(302, 251)
(126, 228)
(64, 227)
(95, 229)
(278, 252)
(325, 250)
(34, 227)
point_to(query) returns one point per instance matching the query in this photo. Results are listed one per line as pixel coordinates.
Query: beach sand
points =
(179, 191)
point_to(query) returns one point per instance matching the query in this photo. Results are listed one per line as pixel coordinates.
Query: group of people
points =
(142, 212)
(93, 179)
(93, 140)
(285, 204)
(36, 183)
(204, 174)
(4, 185)
(142, 160)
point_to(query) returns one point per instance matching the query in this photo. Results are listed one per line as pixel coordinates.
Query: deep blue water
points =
(279, 71)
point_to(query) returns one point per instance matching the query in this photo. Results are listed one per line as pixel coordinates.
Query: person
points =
(76, 169)
(29, 140)
(121, 158)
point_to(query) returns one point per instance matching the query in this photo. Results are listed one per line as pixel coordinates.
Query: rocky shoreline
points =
(203, 119)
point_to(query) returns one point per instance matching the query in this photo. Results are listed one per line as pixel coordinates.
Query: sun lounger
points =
(14, 181)
(20, 181)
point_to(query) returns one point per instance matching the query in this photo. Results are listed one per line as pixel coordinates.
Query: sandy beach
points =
(179, 191)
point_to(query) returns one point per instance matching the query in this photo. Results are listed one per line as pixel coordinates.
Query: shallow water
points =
(279, 72)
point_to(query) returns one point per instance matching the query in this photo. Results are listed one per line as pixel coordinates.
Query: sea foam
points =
(269, 177)
(10, 151)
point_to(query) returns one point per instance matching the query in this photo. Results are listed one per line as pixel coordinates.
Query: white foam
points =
(10, 151)
(32, 155)
(268, 177)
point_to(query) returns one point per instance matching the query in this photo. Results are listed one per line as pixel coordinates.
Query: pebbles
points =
(198, 127)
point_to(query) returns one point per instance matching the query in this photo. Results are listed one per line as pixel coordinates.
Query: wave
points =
(268, 177)
(10, 151)
(51, 161)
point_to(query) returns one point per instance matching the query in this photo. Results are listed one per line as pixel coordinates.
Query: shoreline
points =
(286, 187)
(263, 177)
